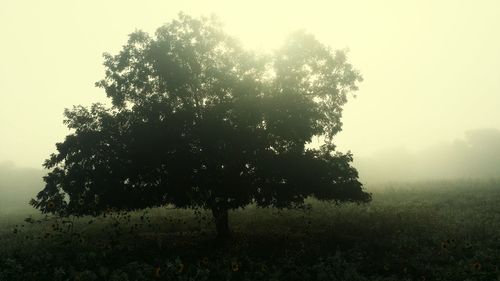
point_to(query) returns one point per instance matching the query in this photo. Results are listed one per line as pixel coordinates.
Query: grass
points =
(421, 231)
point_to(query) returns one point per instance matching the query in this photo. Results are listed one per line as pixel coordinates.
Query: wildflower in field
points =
(264, 268)
(476, 266)
(235, 266)
(157, 272)
(180, 267)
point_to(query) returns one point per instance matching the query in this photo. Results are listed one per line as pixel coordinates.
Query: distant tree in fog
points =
(18, 185)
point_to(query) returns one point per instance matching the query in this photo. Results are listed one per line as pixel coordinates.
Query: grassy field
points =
(420, 231)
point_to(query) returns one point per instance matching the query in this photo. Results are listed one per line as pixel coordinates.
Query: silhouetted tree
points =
(198, 122)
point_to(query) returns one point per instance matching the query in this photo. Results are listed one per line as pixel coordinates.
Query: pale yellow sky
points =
(431, 68)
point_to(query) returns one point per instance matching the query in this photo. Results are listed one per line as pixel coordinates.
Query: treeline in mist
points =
(475, 156)
(18, 185)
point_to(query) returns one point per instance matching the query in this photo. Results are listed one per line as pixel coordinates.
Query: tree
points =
(198, 122)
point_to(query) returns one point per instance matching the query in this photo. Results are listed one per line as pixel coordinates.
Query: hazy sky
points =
(431, 68)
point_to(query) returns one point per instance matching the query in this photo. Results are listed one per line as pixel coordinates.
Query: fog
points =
(427, 109)
(475, 156)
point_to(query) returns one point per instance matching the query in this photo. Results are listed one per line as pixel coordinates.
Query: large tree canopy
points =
(197, 121)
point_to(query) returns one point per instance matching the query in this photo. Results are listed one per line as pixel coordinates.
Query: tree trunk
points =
(221, 223)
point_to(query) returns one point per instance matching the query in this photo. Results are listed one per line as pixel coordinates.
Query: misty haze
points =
(221, 140)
